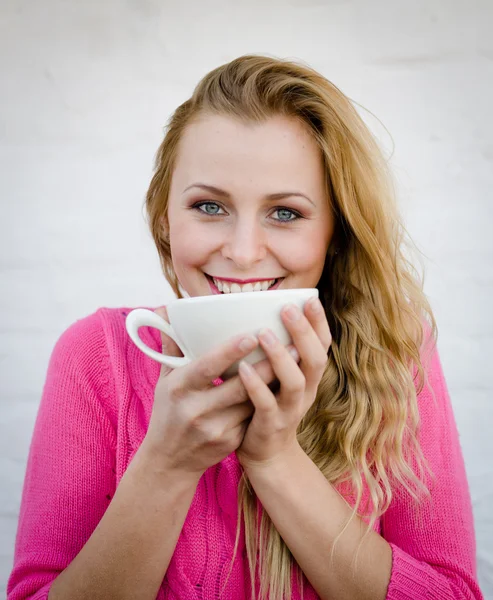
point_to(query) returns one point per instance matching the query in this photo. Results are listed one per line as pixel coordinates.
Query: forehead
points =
(276, 153)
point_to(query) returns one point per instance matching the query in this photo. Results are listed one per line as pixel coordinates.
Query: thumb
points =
(170, 347)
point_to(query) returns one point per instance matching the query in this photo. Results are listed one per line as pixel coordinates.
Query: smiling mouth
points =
(224, 287)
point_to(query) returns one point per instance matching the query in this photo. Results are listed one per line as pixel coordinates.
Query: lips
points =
(215, 290)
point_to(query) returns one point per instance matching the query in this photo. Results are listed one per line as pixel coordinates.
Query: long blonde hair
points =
(362, 430)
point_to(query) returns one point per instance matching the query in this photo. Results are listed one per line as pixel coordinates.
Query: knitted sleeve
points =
(434, 551)
(70, 470)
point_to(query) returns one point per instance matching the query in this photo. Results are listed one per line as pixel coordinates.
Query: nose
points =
(245, 245)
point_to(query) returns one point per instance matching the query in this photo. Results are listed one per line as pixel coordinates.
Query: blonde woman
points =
(330, 470)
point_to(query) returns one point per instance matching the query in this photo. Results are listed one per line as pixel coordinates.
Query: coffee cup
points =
(199, 323)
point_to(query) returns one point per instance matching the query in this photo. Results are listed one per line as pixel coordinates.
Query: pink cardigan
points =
(94, 414)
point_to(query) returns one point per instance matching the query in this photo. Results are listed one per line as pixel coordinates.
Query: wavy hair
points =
(362, 431)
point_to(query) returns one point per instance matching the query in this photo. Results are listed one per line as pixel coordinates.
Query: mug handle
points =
(141, 317)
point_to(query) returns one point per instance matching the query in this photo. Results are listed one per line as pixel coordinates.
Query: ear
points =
(163, 222)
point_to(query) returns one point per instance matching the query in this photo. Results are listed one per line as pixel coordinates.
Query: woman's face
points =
(248, 204)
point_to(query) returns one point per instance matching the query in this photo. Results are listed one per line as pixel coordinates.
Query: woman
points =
(332, 469)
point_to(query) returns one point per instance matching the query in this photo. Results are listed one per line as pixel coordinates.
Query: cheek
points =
(305, 256)
(189, 246)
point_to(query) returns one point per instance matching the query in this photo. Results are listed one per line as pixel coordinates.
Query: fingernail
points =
(245, 368)
(293, 312)
(247, 344)
(267, 337)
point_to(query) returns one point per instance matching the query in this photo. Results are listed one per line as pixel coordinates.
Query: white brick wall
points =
(85, 90)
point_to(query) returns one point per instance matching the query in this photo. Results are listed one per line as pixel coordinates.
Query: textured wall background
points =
(86, 88)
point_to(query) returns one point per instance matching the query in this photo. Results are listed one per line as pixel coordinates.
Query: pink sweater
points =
(94, 414)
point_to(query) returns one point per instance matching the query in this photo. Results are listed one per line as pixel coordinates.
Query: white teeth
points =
(235, 288)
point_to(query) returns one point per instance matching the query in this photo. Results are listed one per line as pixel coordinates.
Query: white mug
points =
(200, 323)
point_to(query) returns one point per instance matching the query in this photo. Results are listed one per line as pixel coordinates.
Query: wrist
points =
(279, 461)
(152, 465)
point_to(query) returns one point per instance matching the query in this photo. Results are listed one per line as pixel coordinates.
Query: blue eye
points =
(290, 212)
(289, 215)
(206, 204)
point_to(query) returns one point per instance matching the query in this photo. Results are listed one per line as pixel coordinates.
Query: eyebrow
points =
(223, 194)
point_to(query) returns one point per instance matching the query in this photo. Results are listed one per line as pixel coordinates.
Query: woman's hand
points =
(195, 424)
(272, 430)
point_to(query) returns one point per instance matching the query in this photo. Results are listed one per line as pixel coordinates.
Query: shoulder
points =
(94, 347)
(95, 355)
(81, 353)
(434, 384)
(97, 332)
(90, 335)
(101, 337)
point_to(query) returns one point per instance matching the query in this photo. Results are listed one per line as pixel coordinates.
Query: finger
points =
(169, 346)
(200, 373)
(292, 379)
(315, 314)
(262, 398)
(238, 433)
(233, 391)
(312, 350)
(220, 426)
(232, 416)
(265, 370)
